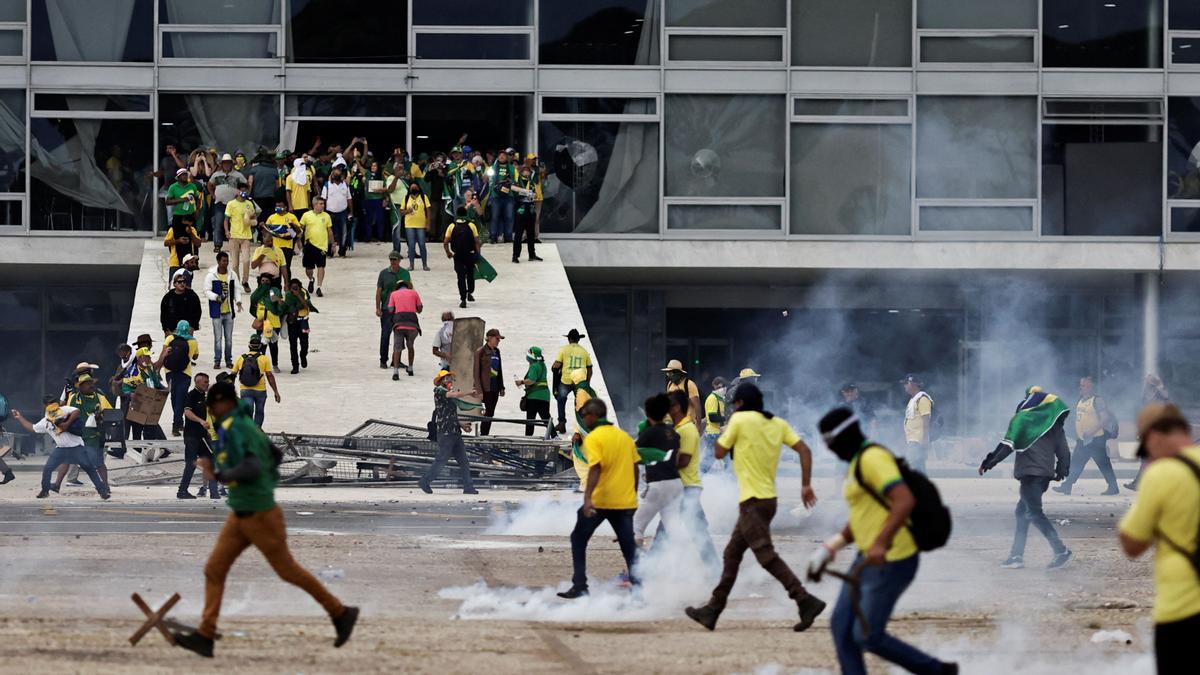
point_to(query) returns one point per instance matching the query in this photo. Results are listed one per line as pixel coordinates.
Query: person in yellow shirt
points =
(181, 240)
(1166, 515)
(714, 419)
(415, 211)
(241, 217)
(689, 473)
(179, 369)
(1094, 425)
(286, 233)
(298, 186)
(318, 234)
(610, 494)
(570, 358)
(754, 436)
(269, 259)
(918, 421)
(253, 371)
(677, 380)
(888, 558)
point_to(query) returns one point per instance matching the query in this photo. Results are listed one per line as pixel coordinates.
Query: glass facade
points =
(684, 118)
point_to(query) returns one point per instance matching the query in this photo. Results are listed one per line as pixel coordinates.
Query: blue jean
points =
(1029, 512)
(223, 333)
(881, 588)
(341, 234)
(259, 400)
(622, 523)
(179, 383)
(376, 219)
(708, 456)
(218, 224)
(502, 218)
(415, 237)
(74, 455)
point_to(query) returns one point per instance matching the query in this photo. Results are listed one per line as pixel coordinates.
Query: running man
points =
(64, 426)
(246, 461)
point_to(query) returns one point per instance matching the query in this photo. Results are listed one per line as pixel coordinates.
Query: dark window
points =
(96, 102)
(234, 45)
(229, 122)
(1185, 50)
(1102, 34)
(491, 123)
(599, 32)
(248, 12)
(1185, 220)
(724, 217)
(725, 48)
(1185, 15)
(473, 13)
(108, 32)
(12, 146)
(560, 105)
(1102, 179)
(12, 10)
(346, 105)
(724, 146)
(723, 13)
(477, 47)
(977, 14)
(347, 31)
(864, 33)
(852, 107)
(1183, 148)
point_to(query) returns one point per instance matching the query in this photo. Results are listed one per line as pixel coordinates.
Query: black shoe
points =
(810, 607)
(462, 304)
(409, 371)
(295, 370)
(184, 495)
(470, 297)
(56, 489)
(78, 482)
(8, 478)
(383, 363)
(1128, 486)
(471, 491)
(949, 668)
(395, 377)
(303, 361)
(424, 487)
(311, 285)
(245, 287)
(229, 364)
(535, 258)
(195, 642)
(105, 496)
(705, 616)
(1062, 489)
(344, 625)
(516, 261)
(43, 494)
(1112, 490)
(166, 454)
(1014, 562)
(562, 427)
(176, 431)
(320, 294)
(1060, 561)
(573, 592)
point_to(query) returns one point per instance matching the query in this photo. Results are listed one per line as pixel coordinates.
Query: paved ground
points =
(441, 592)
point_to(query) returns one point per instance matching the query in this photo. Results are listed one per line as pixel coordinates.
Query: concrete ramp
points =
(531, 303)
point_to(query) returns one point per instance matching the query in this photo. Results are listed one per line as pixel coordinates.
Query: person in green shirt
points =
(537, 389)
(384, 285)
(245, 460)
(90, 403)
(183, 196)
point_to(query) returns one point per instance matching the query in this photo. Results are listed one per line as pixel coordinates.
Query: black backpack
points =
(250, 374)
(929, 522)
(177, 355)
(461, 239)
(1192, 556)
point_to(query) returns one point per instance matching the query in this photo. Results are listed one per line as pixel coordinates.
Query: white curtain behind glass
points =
(71, 168)
(89, 31)
(230, 123)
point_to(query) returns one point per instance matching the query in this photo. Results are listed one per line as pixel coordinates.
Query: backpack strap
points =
(858, 477)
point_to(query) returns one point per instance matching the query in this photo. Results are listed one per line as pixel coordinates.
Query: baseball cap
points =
(144, 351)
(181, 171)
(911, 377)
(492, 332)
(849, 386)
(84, 378)
(674, 364)
(190, 256)
(395, 255)
(1157, 415)
(226, 157)
(748, 372)
(442, 374)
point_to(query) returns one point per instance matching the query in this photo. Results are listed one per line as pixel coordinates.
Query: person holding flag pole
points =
(583, 394)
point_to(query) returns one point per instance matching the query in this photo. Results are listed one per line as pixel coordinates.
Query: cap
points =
(466, 148)
(281, 155)
(748, 372)
(403, 283)
(457, 148)
(226, 157)
(1154, 415)
(509, 151)
(492, 332)
(674, 364)
(442, 374)
(849, 386)
(144, 351)
(395, 255)
(911, 378)
(574, 334)
(531, 156)
(221, 390)
(536, 352)
(255, 340)
(181, 171)
(190, 256)
(84, 378)
(84, 365)
(143, 339)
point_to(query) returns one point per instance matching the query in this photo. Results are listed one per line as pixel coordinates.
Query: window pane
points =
(596, 32)
(976, 147)
(327, 31)
(467, 46)
(11, 43)
(866, 33)
(109, 32)
(21, 361)
(220, 45)
(229, 122)
(725, 48)
(723, 217)
(1110, 108)
(319, 105)
(976, 219)
(491, 122)
(857, 107)
(1124, 34)
(10, 213)
(1103, 179)
(14, 10)
(91, 174)
(472, 13)
(724, 146)
(724, 13)
(977, 14)
(601, 177)
(1006, 49)
(1185, 15)
(223, 12)
(109, 103)
(559, 105)
(1185, 220)
(1183, 148)
(21, 309)
(851, 179)
(1185, 50)
(12, 142)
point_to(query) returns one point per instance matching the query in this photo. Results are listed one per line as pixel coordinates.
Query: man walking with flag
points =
(583, 394)
(1036, 434)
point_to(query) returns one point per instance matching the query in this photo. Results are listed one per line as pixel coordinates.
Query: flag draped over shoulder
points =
(1036, 415)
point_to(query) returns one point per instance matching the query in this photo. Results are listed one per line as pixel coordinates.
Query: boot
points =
(195, 642)
(344, 625)
(810, 607)
(8, 477)
(705, 616)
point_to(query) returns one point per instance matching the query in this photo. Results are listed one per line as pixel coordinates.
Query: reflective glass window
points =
(11, 43)
(223, 12)
(976, 219)
(1185, 15)
(863, 33)
(1102, 34)
(972, 49)
(588, 105)
(724, 146)
(472, 13)
(600, 177)
(1185, 50)
(725, 48)
(724, 217)
(233, 45)
(12, 10)
(113, 31)
(976, 147)
(228, 122)
(977, 14)
(851, 107)
(727, 13)
(346, 105)
(337, 31)
(1185, 220)
(1183, 148)
(599, 32)
(12, 144)
(851, 179)
(475, 47)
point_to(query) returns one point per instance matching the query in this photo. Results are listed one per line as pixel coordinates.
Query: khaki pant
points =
(753, 531)
(266, 532)
(239, 254)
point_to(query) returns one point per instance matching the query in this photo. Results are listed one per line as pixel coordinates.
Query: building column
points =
(1150, 291)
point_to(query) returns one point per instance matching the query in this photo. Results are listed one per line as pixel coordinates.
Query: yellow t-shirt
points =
(917, 408)
(193, 352)
(755, 441)
(237, 211)
(1087, 419)
(450, 230)
(689, 444)
(572, 357)
(317, 227)
(298, 194)
(264, 367)
(226, 307)
(616, 454)
(581, 397)
(713, 404)
(419, 218)
(867, 516)
(693, 392)
(272, 254)
(283, 219)
(1168, 506)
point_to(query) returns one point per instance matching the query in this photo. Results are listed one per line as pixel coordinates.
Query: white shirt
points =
(337, 196)
(444, 339)
(62, 439)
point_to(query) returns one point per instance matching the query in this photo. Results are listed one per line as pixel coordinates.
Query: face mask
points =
(243, 195)
(278, 209)
(719, 391)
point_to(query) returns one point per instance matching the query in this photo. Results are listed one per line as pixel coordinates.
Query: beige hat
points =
(226, 157)
(1153, 415)
(674, 364)
(748, 372)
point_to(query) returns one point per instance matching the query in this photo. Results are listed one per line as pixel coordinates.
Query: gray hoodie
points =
(1048, 457)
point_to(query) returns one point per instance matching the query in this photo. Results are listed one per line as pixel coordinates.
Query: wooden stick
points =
(153, 619)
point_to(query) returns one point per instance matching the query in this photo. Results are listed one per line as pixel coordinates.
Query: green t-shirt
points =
(387, 282)
(237, 437)
(177, 191)
(367, 178)
(539, 390)
(89, 405)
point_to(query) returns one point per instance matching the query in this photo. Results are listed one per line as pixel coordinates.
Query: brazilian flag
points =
(484, 270)
(1036, 415)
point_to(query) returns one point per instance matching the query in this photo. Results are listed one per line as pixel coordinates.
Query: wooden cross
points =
(154, 619)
